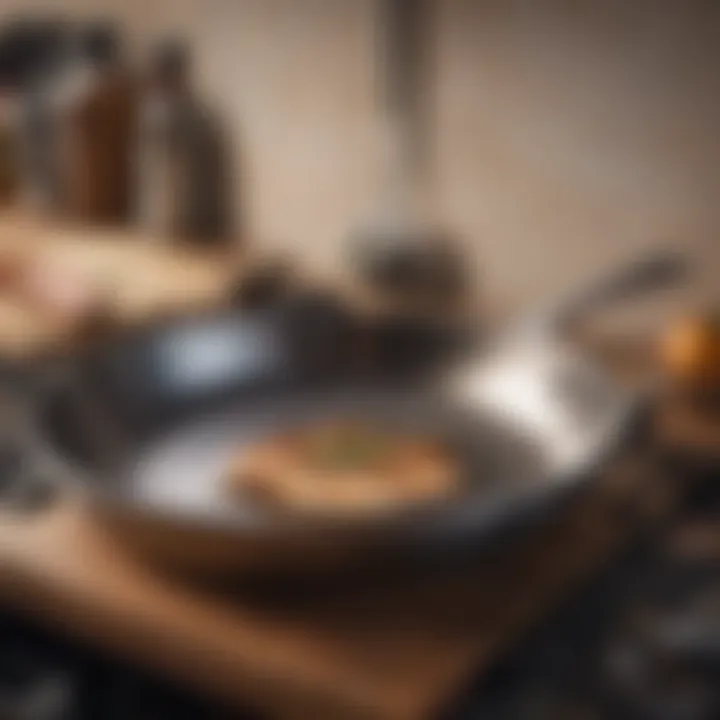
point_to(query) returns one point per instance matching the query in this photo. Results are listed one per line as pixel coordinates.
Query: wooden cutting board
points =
(387, 652)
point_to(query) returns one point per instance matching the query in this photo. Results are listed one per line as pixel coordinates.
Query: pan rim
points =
(541, 489)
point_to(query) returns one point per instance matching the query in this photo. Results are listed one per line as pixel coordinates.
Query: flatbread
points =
(344, 468)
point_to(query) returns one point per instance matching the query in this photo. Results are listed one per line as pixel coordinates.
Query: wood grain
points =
(390, 652)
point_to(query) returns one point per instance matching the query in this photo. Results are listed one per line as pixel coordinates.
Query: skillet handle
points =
(658, 270)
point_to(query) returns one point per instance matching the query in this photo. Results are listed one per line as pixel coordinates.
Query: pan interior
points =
(182, 471)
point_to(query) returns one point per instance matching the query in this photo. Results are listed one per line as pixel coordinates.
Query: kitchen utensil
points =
(405, 254)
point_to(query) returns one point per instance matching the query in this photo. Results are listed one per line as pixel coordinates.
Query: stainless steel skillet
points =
(143, 429)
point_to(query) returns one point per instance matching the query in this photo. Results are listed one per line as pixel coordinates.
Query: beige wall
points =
(569, 133)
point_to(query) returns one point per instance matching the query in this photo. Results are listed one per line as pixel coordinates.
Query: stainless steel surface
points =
(536, 379)
(173, 473)
(656, 270)
(552, 394)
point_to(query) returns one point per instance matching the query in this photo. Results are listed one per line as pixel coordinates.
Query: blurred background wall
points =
(568, 132)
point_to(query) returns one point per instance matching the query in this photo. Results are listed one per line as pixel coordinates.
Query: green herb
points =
(349, 448)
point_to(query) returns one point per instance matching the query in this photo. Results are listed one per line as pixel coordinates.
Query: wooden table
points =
(383, 653)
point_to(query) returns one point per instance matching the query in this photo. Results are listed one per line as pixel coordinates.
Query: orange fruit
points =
(691, 351)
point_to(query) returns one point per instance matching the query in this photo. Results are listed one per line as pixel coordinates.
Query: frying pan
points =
(142, 429)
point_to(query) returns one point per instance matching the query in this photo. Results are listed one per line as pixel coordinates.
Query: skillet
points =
(143, 427)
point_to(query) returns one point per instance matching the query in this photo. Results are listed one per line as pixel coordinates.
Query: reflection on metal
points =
(548, 392)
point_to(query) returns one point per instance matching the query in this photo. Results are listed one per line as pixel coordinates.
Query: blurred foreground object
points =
(691, 353)
(180, 176)
(404, 253)
(97, 101)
